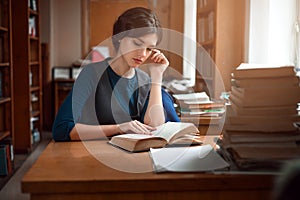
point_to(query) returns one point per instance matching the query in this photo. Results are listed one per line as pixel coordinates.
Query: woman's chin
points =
(135, 66)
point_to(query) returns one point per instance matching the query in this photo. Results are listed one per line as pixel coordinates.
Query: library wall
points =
(45, 20)
(72, 26)
(230, 38)
(103, 14)
(65, 32)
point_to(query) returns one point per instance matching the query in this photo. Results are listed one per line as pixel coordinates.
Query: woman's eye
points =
(137, 43)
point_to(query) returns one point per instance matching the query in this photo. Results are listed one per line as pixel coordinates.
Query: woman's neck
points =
(120, 67)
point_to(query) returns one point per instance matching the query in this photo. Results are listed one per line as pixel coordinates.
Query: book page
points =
(169, 129)
(134, 136)
(189, 102)
(199, 96)
(244, 66)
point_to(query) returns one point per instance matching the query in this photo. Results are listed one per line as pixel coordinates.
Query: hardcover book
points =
(170, 133)
(286, 81)
(246, 70)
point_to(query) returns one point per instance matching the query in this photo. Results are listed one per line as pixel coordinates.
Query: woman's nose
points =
(143, 52)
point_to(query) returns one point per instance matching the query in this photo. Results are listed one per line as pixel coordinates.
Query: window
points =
(273, 33)
(190, 44)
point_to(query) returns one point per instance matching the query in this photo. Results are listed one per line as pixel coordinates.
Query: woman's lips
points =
(137, 61)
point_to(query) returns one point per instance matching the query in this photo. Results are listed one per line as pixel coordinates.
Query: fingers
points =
(141, 128)
(158, 57)
(149, 127)
(136, 127)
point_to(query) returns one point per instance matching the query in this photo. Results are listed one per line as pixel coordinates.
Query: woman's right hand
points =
(157, 63)
(136, 127)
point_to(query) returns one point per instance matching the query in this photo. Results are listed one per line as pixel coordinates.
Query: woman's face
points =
(135, 51)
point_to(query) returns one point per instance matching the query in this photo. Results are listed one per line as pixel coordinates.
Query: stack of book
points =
(262, 118)
(6, 157)
(199, 109)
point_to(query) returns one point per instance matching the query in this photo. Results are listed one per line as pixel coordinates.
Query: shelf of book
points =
(27, 73)
(206, 25)
(220, 35)
(6, 87)
(197, 108)
(3, 29)
(4, 134)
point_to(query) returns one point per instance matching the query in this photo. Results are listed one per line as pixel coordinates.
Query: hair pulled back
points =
(136, 22)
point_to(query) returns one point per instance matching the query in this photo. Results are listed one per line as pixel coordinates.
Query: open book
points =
(170, 133)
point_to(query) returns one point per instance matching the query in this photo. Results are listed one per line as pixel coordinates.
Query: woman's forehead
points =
(148, 39)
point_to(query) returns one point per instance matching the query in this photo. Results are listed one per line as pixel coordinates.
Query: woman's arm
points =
(90, 132)
(155, 115)
(70, 110)
(168, 103)
(64, 121)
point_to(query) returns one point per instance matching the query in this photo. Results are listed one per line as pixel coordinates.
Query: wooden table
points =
(70, 171)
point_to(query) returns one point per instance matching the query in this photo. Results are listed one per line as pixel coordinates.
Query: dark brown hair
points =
(136, 22)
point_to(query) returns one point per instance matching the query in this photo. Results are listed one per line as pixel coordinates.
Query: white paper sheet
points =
(187, 159)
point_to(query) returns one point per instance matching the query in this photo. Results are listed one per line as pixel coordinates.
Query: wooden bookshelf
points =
(206, 38)
(220, 35)
(27, 73)
(6, 85)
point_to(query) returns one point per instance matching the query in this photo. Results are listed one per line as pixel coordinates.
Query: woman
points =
(114, 96)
